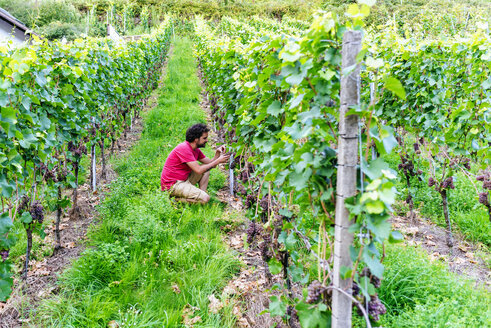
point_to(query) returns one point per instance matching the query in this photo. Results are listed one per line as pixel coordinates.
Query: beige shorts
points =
(187, 189)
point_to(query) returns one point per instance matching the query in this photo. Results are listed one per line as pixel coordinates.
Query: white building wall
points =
(9, 32)
(113, 35)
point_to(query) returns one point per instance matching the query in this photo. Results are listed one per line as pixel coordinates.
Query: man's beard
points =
(203, 145)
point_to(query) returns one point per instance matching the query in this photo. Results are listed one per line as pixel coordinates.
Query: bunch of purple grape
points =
(264, 204)
(46, 173)
(376, 308)
(56, 174)
(448, 183)
(4, 253)
(77, 151)
(37, 211)
(240, 189)
(374, 280)
(250, 200)
(315, 291)
(466, 162)
(24, 203)
(264, 247)
(407, 166)
(244, 176)
(484, 198)
(485, 178)
(62, 174)
(253, 230)
(278, 223)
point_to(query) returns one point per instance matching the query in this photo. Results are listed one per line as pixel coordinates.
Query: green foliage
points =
(447, 112)
(57, 30)
(446, 100)
(70, 18)
(42, 13)
(419, 18)
(213, 8)
(50, 11)
(272, 89)
(101, 264)
(410, 17)
(468, 216)
(19, 9)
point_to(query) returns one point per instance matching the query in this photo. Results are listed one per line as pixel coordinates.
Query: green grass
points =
(146, 243)
(418, 293)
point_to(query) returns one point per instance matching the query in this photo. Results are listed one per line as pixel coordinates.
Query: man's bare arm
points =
(206, 160)
(200, 169)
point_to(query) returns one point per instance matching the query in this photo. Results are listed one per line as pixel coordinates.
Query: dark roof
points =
(6, 16)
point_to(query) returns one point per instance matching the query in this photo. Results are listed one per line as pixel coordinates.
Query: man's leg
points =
(203, 183)
(202, 179)
(185, 191)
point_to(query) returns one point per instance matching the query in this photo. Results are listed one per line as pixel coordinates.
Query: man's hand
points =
(223, 158)
(220, 150)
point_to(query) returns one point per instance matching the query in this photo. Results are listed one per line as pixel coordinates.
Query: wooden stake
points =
(231, 175)
(94, 178)
(346, 180)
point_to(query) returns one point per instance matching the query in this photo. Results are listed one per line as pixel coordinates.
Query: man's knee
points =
(205, 198)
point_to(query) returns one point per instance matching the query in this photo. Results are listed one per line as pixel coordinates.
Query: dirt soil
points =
(251, 286)
(43, 275)
(462, 259)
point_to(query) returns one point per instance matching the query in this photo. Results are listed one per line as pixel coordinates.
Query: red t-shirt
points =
(175, 167)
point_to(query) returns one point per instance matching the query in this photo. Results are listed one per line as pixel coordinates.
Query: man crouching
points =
(182, 171)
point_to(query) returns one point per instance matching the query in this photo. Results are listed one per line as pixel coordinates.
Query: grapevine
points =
(284, 100)
(51, 96)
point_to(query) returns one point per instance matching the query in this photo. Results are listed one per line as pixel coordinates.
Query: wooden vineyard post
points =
(231, 175)
(346, 177)
(93, 168)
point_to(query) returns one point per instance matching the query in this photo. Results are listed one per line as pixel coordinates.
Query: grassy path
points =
(150, 260)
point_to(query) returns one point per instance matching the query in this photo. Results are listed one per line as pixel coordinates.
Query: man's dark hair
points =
(196, 131)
